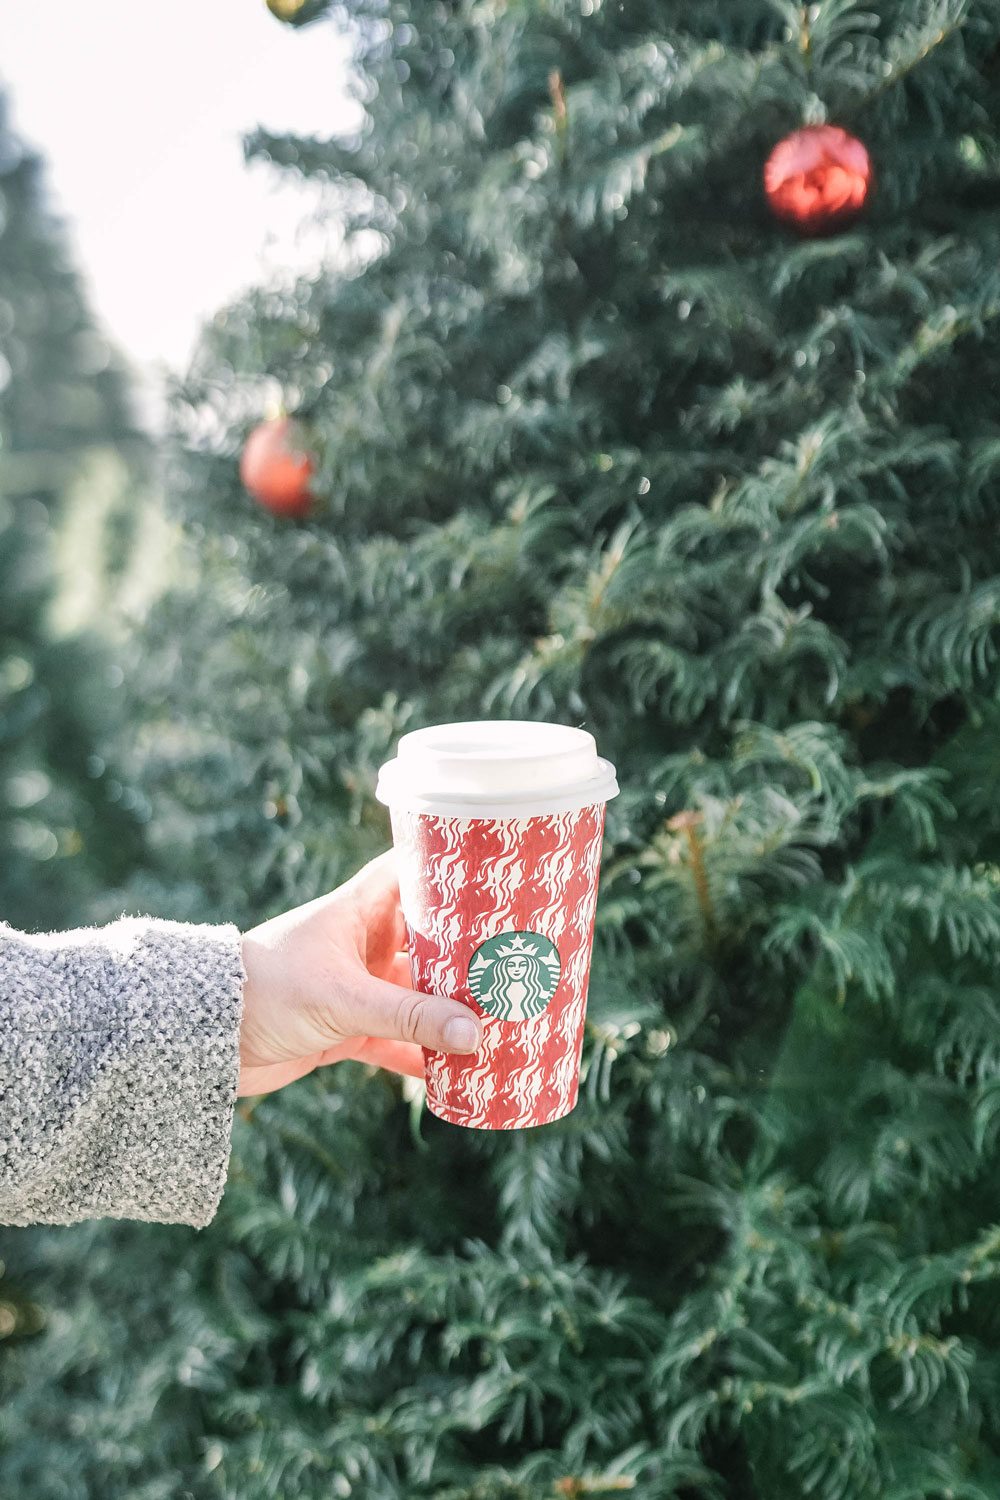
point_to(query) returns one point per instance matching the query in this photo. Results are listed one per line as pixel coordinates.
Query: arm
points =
(123, 1049)
(119, 1063)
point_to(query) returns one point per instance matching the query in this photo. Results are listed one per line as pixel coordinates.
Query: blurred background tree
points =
(598, 440)
(68, 453)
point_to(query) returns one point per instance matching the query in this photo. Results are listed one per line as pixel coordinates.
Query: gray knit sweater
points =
(119, 1061)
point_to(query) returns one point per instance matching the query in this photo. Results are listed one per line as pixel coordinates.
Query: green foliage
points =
(61, 402)
(597, 441)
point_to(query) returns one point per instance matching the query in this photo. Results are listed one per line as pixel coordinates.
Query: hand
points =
(330, 980)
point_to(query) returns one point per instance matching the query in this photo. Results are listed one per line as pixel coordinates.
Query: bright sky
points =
(139, 107)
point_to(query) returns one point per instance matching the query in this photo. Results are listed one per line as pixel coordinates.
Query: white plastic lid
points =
(496, 768)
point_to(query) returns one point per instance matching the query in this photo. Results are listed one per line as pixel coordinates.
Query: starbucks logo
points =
(514, 975)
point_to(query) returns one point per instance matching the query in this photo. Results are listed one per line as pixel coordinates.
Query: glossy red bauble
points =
(818, 179)
(276, 469)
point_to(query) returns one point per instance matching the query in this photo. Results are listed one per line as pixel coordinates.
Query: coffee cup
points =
(497, 826)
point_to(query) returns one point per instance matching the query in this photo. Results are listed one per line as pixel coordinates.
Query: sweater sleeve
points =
(119, 1064)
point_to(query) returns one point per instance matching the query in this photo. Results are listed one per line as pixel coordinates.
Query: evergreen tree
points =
(599, 442)
(62, 405)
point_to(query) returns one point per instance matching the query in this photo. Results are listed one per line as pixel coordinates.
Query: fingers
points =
(376, 884)
(396, 1057)
(399, 972)
(264, 1080)
(375, 889)
(376, 1008)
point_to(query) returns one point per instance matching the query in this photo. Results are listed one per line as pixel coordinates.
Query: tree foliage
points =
(63, 409)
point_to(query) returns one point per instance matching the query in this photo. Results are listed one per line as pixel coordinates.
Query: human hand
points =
(330, 980)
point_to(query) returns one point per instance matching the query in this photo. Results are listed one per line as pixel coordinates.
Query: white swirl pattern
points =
(463, 880)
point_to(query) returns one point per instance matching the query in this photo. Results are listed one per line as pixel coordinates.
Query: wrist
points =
(256, 987)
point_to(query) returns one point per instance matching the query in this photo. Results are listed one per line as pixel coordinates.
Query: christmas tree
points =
(599, 439)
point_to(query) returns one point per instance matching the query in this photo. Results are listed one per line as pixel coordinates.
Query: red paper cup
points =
(497, 828)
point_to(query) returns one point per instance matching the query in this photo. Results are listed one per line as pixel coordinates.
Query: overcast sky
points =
(139, 107)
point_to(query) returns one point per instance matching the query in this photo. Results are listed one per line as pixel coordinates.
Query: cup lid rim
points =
(391, 789)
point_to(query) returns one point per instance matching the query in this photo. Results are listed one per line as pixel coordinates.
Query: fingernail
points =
(462, 1035)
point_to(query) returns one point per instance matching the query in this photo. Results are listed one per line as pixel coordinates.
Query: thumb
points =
(378, 1008)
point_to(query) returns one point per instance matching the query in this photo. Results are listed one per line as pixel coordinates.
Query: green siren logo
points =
(514, 975)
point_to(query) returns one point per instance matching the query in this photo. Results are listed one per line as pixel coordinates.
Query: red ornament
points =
(276, 469)
(817, 179)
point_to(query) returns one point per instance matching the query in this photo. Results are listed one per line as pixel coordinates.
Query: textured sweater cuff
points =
(120, 1065)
